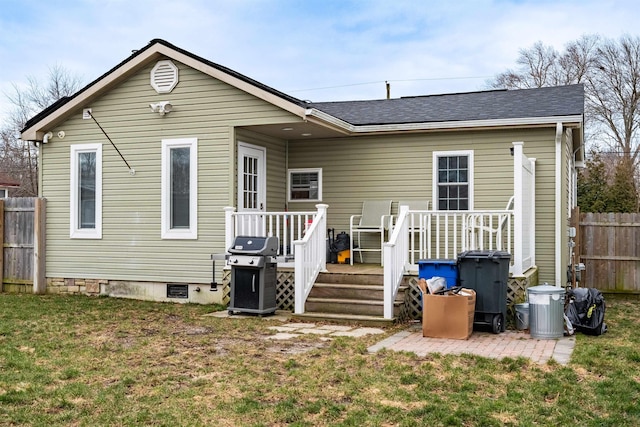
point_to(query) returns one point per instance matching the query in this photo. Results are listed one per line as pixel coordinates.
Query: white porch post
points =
(532, 212)
(229, 227)
(524, 210)
(518, 214)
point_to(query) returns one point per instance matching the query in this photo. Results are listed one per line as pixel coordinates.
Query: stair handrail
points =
(395, 254)
(310, 257)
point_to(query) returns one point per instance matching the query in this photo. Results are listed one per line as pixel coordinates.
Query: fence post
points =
(39, 246)
(1, 245)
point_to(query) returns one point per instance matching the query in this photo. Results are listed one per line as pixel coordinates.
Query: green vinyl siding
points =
(131, 247)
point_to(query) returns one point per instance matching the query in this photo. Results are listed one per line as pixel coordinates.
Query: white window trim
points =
(192, 231)
(434, 167)
(304, 170)
(75, 231)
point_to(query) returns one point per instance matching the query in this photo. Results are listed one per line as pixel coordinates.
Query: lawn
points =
(103, 362)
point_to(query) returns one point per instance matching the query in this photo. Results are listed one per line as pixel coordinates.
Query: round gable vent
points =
(164, 76)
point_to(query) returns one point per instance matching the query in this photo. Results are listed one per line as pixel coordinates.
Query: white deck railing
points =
(440, 235)
(311, 257)
(286, 226)
(395, 255)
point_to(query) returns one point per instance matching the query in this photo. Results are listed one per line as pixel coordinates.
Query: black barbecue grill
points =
(253, 275)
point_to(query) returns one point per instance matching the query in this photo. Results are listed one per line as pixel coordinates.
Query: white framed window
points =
(179, 188)
(4, 193)
(305, 185)
(86, 191)
(453, 180)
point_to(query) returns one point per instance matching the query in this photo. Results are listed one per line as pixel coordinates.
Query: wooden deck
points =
(355, 269)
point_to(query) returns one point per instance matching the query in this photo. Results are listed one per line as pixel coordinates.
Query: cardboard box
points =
(449, 315)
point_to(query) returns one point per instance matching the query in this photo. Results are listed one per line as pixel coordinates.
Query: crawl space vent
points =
(164, 76)
(177, 291)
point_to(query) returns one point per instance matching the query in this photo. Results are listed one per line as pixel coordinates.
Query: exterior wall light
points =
(161, 108)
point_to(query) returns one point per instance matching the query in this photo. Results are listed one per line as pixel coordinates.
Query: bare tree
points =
(542, 66)
(18, 159)
(610, 71)
(613, 94)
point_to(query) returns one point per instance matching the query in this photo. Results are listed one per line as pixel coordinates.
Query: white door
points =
(252, 189)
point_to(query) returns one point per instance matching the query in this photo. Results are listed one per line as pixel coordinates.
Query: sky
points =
(318, 50)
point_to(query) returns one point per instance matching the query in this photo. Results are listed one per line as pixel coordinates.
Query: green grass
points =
(101, 361)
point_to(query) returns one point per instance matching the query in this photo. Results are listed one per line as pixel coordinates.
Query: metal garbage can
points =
(487, 273)
(522, 316)
(546, 311)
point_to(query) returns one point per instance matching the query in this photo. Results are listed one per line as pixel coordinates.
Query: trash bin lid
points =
(484, 254)
(545, 289)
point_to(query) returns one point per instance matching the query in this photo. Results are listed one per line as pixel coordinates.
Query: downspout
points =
(558, 206)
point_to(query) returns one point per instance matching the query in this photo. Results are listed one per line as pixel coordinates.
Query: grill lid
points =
(254, 245)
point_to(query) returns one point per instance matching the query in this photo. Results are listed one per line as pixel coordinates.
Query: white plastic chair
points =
(375, 218)
(479, 228)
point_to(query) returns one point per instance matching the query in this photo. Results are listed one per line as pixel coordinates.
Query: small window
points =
(305, 185)
(86, 191)
(453, 180)
(179, 188)
(3, 193)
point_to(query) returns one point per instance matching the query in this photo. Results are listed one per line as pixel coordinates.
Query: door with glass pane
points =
(251, 188)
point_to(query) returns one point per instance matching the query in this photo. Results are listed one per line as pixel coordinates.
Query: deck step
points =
(347, 306)
(345, 319)
(350, 297)
(353, 278)
(347, 291)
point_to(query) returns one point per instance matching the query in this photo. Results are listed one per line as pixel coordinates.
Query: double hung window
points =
(453, 180)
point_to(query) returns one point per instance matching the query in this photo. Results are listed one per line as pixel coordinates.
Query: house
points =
(6, 185)
(139, 166)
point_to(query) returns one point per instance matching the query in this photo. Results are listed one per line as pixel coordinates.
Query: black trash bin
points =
(487, 273)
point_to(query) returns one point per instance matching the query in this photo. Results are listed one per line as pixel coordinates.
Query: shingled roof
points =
(485, 105)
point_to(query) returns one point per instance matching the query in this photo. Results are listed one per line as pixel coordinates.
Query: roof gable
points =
(156, 49)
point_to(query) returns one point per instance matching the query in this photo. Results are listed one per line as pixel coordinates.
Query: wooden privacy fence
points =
(22, 244)
(609, 247)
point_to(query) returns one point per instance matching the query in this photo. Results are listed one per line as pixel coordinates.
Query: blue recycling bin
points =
(446, 268)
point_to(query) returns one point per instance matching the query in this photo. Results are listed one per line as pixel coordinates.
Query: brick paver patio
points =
(507, 344)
